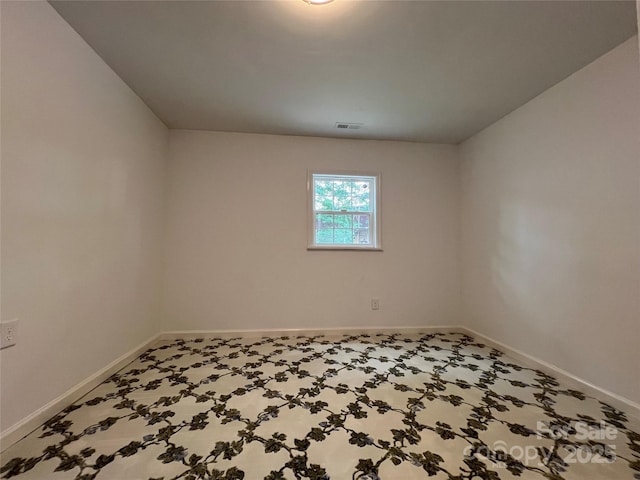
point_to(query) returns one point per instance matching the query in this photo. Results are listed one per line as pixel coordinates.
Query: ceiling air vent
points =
(348, 126)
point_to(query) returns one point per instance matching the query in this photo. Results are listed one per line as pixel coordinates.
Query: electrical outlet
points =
(8, 333)
(375, 304)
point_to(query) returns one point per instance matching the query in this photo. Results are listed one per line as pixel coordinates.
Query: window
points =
(344, 210)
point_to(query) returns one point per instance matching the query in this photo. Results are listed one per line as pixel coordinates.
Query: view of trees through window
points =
(343, 208)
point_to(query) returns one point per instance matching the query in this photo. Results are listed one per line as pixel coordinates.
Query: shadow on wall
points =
(533, 291)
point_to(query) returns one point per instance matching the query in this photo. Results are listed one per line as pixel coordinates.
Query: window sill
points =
(341, 247)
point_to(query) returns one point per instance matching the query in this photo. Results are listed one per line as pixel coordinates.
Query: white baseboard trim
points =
(37, 418)
(617, 401)
(192, 334)
(28, 424)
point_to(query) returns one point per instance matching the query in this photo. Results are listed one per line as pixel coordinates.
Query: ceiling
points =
(428, 71)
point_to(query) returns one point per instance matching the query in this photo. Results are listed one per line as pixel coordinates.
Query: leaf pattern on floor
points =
(363, 407)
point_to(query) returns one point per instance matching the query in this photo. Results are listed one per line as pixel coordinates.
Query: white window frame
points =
(375, 222)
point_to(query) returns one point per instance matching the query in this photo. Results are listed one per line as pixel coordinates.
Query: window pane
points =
(324, 188)
(341, 196)
(343, 221)
(342, 203)
(323, 203)
(324, 221)
(343, 236)
(361, 221)
(362, 200)
(324, 235)
(362, 237)
(341, 188)
(323, 198)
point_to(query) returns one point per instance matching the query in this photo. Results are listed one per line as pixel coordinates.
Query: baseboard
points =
(617, 401)
(33, 421)
(28, 424)
(191, 334)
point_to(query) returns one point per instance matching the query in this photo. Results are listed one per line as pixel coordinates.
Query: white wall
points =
(236, 239)
(550, 212)
(551, 225)
(83, 165)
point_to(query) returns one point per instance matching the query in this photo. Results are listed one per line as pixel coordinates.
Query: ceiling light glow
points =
(317, 2)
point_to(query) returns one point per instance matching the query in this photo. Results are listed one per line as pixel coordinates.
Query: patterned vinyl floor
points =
(330, 407)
